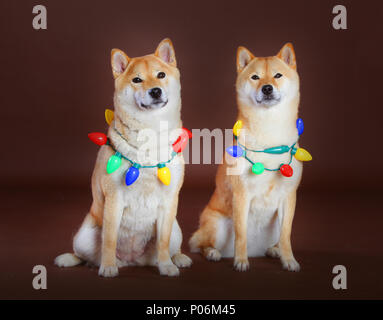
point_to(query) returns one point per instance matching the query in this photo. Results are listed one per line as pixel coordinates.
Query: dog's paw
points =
(108, 272)
(181, 260)
(169, 270)
(290, 264)
(241, 265)
(212, 254)
(273, 252)
(67, 260)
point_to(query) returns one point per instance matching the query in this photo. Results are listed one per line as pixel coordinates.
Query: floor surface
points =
(330, 228)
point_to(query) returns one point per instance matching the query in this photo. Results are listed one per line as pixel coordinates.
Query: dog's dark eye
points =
(277, 76)
(254, 77)
(137, 80)
(161, 75)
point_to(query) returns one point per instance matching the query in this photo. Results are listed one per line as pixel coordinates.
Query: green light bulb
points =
(114, 163)
(258, 168)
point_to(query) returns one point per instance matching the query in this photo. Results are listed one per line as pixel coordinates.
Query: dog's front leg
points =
(241, 205)
(164, 230)
(113, 210)
(287, 210)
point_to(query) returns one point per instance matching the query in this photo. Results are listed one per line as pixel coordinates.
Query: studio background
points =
(56, 84)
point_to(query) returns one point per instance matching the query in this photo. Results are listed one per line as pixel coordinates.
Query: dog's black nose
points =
(155, 93)
(267, 89)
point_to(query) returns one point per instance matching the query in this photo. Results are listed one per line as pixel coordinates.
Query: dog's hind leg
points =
(87, 241)
(204, 240)
(273, 252)
(67, 260)
(212, 254)
(86, 246)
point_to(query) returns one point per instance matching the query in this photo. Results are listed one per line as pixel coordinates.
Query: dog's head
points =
(146, 83)
(265, 82)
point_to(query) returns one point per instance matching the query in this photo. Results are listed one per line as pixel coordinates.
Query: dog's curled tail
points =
(67, 260)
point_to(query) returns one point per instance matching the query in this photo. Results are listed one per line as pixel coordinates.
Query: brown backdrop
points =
(56, 83)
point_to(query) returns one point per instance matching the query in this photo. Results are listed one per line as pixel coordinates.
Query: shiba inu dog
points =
(250, 214)
(136, 224)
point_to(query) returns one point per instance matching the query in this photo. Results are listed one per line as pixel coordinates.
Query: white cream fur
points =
(262, 200)
(141, 207)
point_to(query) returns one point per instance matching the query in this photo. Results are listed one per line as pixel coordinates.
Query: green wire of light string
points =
(139, 165)
(267, 169)
(160, 164)
(247, 149)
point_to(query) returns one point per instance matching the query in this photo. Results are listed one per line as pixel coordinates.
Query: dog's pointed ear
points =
(165, 51)
(244, 57)
(119, 61)
(287, 55)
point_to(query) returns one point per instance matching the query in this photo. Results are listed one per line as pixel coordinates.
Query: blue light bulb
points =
(300, 126)
(235, 151)
(132, 174)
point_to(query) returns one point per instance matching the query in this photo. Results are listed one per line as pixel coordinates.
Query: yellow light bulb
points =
(237, 128)
(109, 116)
(303, 155)
(164, 175)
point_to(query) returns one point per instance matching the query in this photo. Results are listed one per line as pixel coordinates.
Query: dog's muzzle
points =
(154, 98)
(156, 104)
(267, 96)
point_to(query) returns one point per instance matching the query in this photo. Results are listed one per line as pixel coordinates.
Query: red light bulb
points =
(190, 135)
(180, 144)
(286, 170)
(98, 138)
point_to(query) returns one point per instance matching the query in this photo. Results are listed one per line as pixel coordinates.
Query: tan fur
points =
(135, 225)
(238, 198)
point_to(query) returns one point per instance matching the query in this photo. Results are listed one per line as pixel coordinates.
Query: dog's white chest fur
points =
(267, 191)
(142, 202)
(137, 224)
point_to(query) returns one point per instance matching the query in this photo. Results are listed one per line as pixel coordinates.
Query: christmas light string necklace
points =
(135, 163)
(132, 174)
(257, 168)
